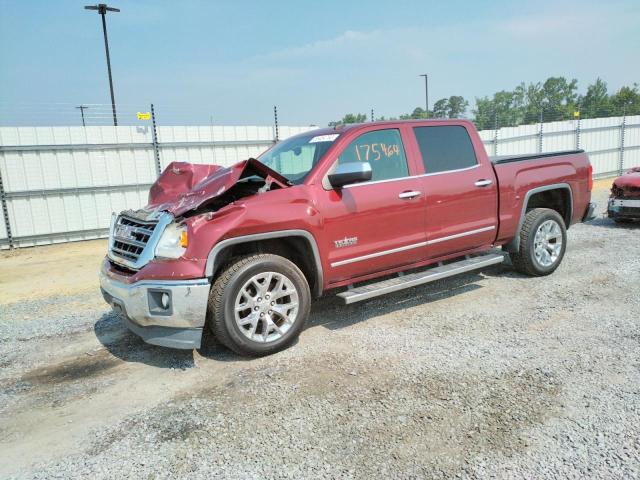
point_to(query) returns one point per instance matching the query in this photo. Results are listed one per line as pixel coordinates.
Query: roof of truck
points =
(349, 126)
(343, 127)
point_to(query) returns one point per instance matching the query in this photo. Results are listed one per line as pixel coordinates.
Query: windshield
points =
(295, 157)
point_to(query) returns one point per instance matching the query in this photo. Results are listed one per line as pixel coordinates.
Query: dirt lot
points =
(487, 374)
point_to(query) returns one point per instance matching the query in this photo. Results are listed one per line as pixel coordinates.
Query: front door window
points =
(383, 149)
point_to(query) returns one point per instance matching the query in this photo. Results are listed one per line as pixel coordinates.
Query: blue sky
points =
(316, 60)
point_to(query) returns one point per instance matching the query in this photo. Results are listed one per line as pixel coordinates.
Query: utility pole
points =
(82, 109)
(102, 9)
(426, 92)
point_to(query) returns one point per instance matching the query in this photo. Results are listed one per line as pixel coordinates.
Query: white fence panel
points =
(488, 139)
(600, 137)
(632, 144)
(516, 140)
(62, 183)
(219, 145)
(558, 136)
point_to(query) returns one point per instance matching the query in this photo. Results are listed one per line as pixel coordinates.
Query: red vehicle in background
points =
(624, 202)
(243, 250)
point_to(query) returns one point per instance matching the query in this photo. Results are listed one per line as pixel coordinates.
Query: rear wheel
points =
(543, 241)
(259, 304)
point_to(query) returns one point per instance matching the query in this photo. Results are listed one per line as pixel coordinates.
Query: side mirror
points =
(348, 173)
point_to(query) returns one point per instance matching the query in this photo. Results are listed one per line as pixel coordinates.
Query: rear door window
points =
(445, 148)
(383, 149)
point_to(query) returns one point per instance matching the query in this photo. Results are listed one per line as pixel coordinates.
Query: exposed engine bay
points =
(185, 189)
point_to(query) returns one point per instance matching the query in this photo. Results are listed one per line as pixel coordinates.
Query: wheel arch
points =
(557, 196)
(299, 246)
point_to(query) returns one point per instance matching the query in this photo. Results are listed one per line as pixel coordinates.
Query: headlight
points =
(173, 242)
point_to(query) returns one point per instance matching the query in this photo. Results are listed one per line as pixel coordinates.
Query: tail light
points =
(590, 177)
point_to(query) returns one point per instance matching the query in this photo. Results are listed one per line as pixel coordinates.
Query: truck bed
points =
(566, 171)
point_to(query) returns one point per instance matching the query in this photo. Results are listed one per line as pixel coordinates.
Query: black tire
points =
(525, 260)
(225, 289)
(623, 220)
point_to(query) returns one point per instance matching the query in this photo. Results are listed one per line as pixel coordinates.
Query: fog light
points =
(159, 302)
(165, 300)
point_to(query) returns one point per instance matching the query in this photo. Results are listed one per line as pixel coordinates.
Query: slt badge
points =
(346, 242)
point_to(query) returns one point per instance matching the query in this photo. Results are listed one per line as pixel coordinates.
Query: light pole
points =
(102, 9)
(426, 92)
(82, 109)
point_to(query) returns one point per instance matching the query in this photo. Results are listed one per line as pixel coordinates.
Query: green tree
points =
(452, 107)
(596, 102)
(441, 108)
(555, 99)
(350, 118)
(417, 113)
(484, 113)
(560, 97)
(456, 106)
(626, 101)
(506, 108)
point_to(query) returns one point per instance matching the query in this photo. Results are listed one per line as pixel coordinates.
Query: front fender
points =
(213, 264)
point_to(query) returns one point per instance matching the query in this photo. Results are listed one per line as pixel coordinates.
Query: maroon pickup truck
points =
(243, 250)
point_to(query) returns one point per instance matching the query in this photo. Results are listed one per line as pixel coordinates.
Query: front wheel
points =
(543, 241)
(259, 304)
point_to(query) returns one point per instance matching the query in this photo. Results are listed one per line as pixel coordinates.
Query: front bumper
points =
(623, 208)
(179, 325)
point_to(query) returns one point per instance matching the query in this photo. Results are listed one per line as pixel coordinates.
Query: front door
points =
(460, 192)
(377, 225)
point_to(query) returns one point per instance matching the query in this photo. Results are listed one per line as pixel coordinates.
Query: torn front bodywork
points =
(185, 196)
(624, 202)
(185, 187)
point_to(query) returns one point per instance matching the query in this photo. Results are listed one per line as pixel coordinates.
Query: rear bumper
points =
(178, 325)
(623, 208)
(590, 213)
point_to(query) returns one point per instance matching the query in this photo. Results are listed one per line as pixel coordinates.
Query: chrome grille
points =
(131, 236)
(134, 235)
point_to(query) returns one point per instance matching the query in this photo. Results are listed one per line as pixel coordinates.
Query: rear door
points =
(376, 225)
(460, 191)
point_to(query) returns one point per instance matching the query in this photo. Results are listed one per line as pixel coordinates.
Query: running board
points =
(401, 282)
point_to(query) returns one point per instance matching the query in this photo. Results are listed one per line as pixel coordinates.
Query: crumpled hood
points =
(186, 186)
(631, 179)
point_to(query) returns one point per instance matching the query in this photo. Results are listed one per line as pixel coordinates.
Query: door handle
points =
(409, 194)
(483, 183)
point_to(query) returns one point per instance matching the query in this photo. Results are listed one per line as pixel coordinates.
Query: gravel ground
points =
(491, 374)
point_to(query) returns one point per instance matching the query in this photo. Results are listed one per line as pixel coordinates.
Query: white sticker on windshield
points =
(324, 138)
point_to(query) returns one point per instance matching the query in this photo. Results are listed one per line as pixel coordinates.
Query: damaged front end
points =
(624, 201)
(153, 276)
(183, 190)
